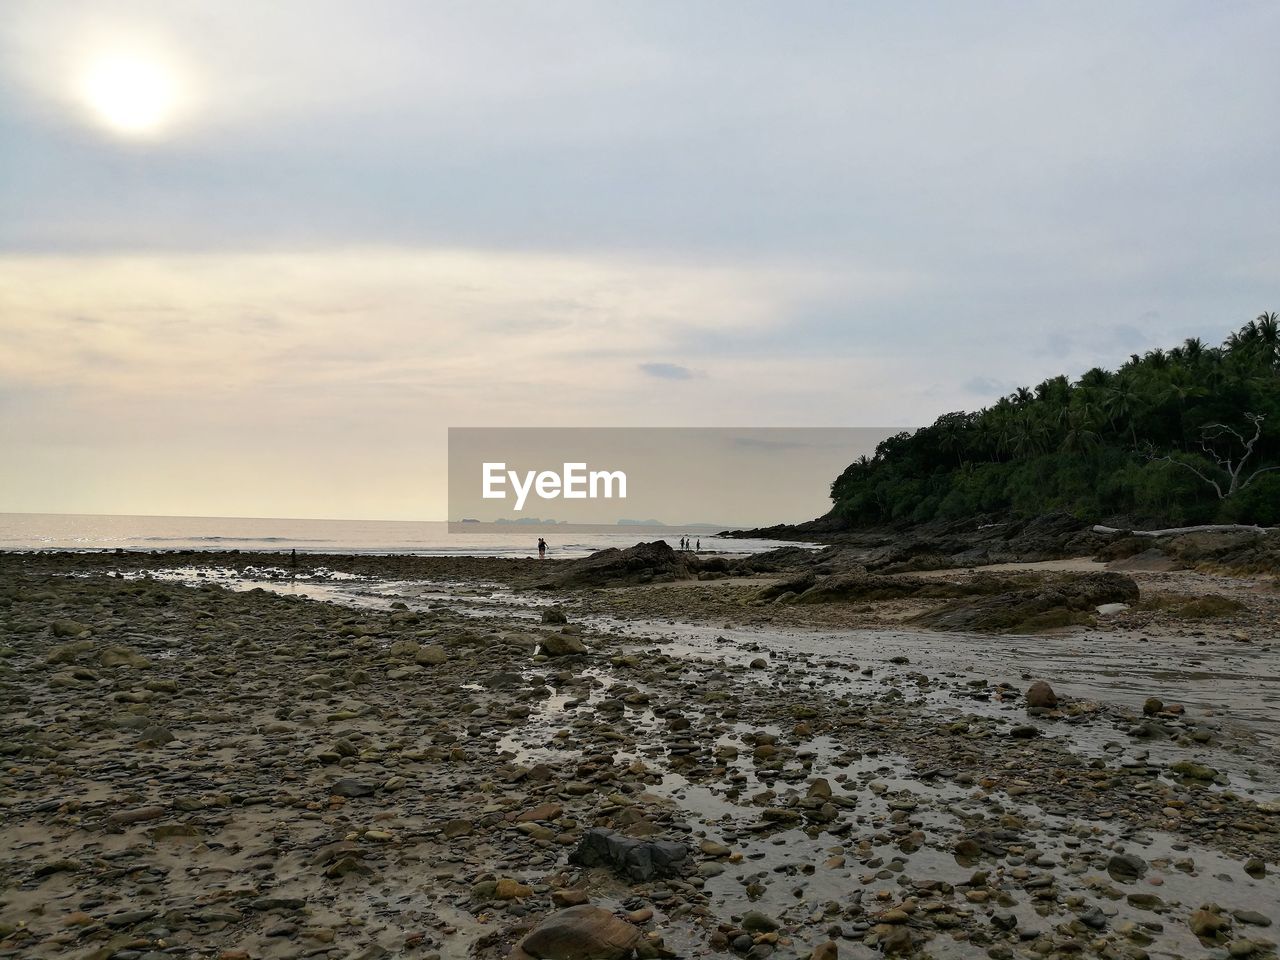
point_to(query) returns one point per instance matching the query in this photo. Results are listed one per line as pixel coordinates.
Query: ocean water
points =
(62, 531)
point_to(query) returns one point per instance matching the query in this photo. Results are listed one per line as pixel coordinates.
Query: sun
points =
(128, 94)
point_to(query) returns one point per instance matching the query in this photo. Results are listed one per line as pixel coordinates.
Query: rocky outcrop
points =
(1057, 603)
(643, 563)
(973, 541)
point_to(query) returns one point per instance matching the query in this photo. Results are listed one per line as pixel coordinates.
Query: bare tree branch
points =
(1257, 473)
(1183, 463)
(1212, 431)
(1224, 460)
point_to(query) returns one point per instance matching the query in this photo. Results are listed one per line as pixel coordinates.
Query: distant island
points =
(624, 522)
(529, 522)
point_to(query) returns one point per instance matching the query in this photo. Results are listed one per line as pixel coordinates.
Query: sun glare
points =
(130, 95)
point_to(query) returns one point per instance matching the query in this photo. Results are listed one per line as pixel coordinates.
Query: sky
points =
(255, 259)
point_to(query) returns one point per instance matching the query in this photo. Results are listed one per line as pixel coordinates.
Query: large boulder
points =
(1041, 696)
(583, 932)
(638, 860)
(561, 645)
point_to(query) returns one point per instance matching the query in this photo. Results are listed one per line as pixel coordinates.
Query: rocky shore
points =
(643, 754)
(979, 541)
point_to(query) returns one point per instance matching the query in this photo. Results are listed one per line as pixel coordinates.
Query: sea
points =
(95, 532)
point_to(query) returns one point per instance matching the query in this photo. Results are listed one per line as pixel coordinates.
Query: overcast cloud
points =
(364, 223)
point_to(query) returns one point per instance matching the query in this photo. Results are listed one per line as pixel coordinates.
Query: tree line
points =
(1179, 436)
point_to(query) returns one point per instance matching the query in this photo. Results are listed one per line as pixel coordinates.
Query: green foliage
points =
(1124, 445)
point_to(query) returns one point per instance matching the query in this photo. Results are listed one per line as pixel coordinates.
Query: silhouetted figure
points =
(542, 549)
(293, 558)
(698, 548)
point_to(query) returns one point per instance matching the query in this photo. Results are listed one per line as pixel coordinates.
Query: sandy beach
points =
(217, 755)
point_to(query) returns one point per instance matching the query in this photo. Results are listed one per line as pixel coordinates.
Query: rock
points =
(404, 648)
(431, 655)
(1144, 901)
(347, 865)
(1094, 918)
(113, 657)
(1207, 924)
(578, 933)
(55, 866)
(788, 588)
(643, 563)
(543, 811)
(1055, 603)
(1194, 771)
(1152, 705)
(569, 898)
(820, 789)
(1126, 867)
(124, 818)
(508, 889)
(825, 951)
(640, 860)
(757, 922)
(554, 615)
(68, 652)
(68, 628)
(1252, 918)
(156, 735)
(759, 663)
(712, 849)
(561, 645)
(1041, 695)
(351, 787)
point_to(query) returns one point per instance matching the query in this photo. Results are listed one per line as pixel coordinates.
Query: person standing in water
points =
(542, 549)
(698, 548)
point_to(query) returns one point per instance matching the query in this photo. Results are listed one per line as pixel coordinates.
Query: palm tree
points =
(1124, 401)
(1268, 326)
(1097, 377)
(1079, 436)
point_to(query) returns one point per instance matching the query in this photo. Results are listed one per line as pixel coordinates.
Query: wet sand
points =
(209, 758)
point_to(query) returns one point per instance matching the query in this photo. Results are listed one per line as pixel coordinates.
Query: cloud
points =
(988, 387)
(667, 371)
(371, 221)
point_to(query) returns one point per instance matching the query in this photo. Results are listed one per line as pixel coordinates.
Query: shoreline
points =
(401, 769)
